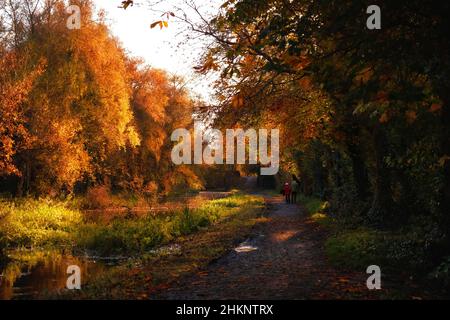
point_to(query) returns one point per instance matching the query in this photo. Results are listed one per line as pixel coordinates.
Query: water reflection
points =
(245, 246)
(162, 206)
(28, 274)
(31, 274)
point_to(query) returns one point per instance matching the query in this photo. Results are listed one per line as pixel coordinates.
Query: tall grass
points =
(30, 223)
(312, 204)
(146, 232)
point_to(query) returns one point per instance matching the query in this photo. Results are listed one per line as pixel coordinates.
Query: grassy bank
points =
(29, 223)
(160, 247)
(229, 221)
(37, 223)
(144, 233)
(402, 252)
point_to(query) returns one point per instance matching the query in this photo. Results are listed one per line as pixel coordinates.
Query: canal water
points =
(30, 274)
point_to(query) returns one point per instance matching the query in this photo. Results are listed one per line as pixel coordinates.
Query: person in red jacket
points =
(287, 192)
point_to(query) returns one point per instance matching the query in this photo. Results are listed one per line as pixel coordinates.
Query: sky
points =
(161, 49)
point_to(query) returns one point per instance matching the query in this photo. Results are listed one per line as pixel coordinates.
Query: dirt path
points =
(283, 259)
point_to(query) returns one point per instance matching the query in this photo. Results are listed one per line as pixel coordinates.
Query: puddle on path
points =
(245, 246)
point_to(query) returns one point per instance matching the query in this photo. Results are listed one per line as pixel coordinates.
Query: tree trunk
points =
(337, 169)
(381, 210)
(445, 154)
(19, 192)
(360, 174)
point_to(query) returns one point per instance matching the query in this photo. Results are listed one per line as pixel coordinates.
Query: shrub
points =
(311, 204)
(98, 198)
(345, 206)
(186, 222)
(442, 273)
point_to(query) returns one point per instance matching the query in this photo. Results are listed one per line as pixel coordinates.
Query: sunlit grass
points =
(42, 223)
(29, 222)
(144, 233)
(316, 209)
(312, 204)
(348, 248)
(193, 251)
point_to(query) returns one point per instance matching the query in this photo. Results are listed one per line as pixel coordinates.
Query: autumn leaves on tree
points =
(77, 111)
(363, 113)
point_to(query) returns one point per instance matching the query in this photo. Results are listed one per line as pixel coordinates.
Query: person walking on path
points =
(287, 192)
(294, 191)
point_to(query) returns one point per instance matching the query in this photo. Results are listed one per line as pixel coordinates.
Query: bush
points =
(442, 273)
(405, 250)
(345, 206)
(312, 204)
(98, 198)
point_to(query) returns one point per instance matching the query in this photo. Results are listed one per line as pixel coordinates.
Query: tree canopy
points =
(78, 111)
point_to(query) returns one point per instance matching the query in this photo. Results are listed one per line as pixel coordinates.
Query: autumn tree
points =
(371, 97)
(78, 112)
(15, 88)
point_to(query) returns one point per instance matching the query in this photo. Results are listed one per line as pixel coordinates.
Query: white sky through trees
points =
(160, 48)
